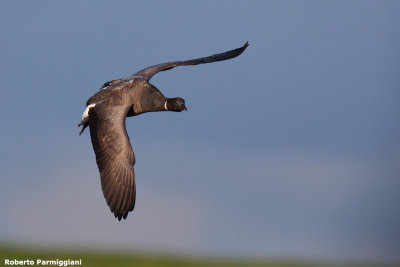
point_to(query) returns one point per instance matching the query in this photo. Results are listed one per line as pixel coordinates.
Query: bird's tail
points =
(84, 123)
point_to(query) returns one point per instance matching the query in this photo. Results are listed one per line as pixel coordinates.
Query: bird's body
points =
(105, 115)
(137, 92)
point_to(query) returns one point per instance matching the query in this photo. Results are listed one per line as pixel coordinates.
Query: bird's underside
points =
(105, 115)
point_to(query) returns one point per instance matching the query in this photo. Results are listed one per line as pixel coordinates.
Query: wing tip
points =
(120, 215)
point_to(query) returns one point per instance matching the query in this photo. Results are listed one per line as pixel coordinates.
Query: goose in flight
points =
(105, 115)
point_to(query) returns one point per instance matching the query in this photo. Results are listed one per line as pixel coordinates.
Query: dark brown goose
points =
(105, 115)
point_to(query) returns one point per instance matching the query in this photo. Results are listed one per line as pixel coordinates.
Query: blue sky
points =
(290, 150)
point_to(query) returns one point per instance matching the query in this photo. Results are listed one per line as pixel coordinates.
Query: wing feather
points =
(114, 157)
(147, 73)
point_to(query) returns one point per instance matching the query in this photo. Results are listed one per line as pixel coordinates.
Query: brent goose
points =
(105, 115)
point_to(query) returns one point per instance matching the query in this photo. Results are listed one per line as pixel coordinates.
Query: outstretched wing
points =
(147, 73)
(114, 156)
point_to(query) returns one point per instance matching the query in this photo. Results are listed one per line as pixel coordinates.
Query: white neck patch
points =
(165, 105)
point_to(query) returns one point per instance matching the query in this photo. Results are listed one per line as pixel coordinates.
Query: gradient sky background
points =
(289, 151)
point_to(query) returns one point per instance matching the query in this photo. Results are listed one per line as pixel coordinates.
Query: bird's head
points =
(175, 104)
